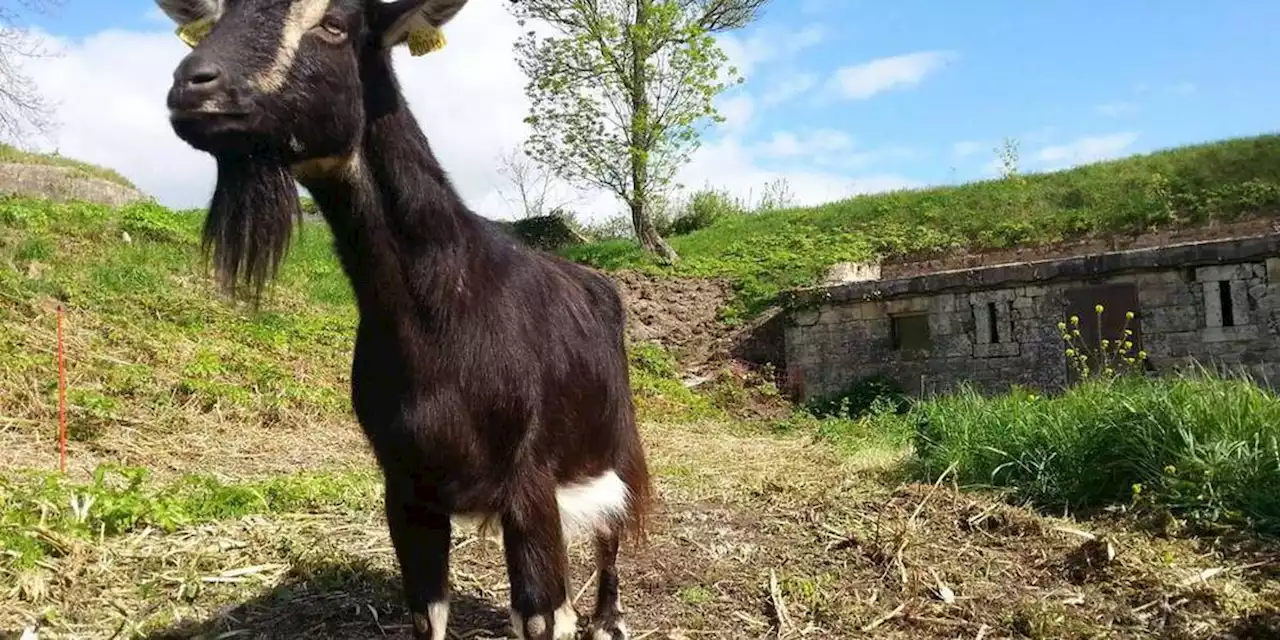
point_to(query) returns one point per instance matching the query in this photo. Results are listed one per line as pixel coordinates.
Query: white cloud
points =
(965, 148)
(729, 165)
(110, 90)
(785, 144)
(737, 111)
(1085, 150)
(1116, 109)
(862, 81)
(788, 87)
(766, 45)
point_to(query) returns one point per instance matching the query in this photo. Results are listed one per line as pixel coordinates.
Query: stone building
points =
(1214, 302)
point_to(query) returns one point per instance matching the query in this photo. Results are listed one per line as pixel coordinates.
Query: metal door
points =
(1116, 299)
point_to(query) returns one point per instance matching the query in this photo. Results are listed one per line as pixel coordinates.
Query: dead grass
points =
(756, 537)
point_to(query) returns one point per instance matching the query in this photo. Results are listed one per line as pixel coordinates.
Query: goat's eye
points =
(333, 28)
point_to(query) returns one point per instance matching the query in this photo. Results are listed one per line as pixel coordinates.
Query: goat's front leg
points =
(420, 534)
(538, 565)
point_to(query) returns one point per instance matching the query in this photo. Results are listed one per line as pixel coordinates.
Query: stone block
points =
(1218, 272)
(996, 350)
(805, 317)
(942, 303)
(1215, 335)
(870, 310)
(1212, 304)
(1169, 320)
(1273, 270)
(907, 305)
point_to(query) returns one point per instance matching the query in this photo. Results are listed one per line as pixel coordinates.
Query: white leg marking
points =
(601, 633)
(438, 614)
(564, 624)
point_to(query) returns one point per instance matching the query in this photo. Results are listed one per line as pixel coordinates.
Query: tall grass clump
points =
(1202, 445)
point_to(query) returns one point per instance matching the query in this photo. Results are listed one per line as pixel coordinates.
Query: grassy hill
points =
(233, 494)
(767, 252)
(11, 154)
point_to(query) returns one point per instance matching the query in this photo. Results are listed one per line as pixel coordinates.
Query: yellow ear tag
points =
(193, 32)
(425, 40)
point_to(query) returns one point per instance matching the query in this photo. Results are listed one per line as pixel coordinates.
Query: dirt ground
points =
(757, 536)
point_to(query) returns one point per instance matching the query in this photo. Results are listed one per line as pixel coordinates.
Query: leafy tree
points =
(619, 89)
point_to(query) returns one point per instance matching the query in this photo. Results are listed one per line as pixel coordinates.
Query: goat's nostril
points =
(205, 75)
(200, 74)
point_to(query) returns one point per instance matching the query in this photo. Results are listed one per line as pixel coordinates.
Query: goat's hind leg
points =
(607, 622)
(421, 535)
(538, 566)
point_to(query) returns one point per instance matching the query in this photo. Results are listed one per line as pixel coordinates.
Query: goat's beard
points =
(251, 216)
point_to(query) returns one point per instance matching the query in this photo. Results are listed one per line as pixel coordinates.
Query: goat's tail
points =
(634, 471)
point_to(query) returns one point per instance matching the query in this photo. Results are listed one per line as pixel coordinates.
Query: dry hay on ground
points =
(756, 537)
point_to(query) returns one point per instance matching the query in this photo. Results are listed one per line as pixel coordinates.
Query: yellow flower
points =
(1075, 319)
(1128, 315)
(1170, 469)
(1062, 326)
(1097, 309)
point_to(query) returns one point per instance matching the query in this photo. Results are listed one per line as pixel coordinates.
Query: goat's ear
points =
(194, 17)
(417, 22)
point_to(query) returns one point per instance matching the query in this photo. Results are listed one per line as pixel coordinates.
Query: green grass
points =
(152, 334)
(13, 155)
(120, 500)
(772, 251)
(1205, 447)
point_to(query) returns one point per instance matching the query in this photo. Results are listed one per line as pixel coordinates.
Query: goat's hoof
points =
(612, 628)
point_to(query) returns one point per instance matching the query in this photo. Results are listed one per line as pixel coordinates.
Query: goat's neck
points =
(394, 213)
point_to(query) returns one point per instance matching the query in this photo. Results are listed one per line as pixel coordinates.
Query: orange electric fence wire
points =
(62, 399)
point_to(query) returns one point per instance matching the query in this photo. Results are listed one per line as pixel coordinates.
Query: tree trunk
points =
(641, 221)
(648, 235)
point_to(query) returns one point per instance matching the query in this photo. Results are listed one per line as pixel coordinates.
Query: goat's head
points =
(274, 86)
(283, 76)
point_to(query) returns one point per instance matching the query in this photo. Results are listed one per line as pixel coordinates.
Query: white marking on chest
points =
(585, 508)
(302, 16)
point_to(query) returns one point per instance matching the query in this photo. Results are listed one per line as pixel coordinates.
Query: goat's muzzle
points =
(205, 106)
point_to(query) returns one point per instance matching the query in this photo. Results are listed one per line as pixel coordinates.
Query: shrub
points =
(860, 397)
(705, 208)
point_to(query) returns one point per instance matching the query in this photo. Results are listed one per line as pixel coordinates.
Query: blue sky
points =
(884, 94)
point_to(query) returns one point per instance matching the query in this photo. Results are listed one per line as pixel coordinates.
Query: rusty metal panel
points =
(1116, 299)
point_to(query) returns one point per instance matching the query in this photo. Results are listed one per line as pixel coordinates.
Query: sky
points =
(841, 97)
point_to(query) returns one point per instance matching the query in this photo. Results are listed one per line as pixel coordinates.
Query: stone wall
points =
(1215, 302)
